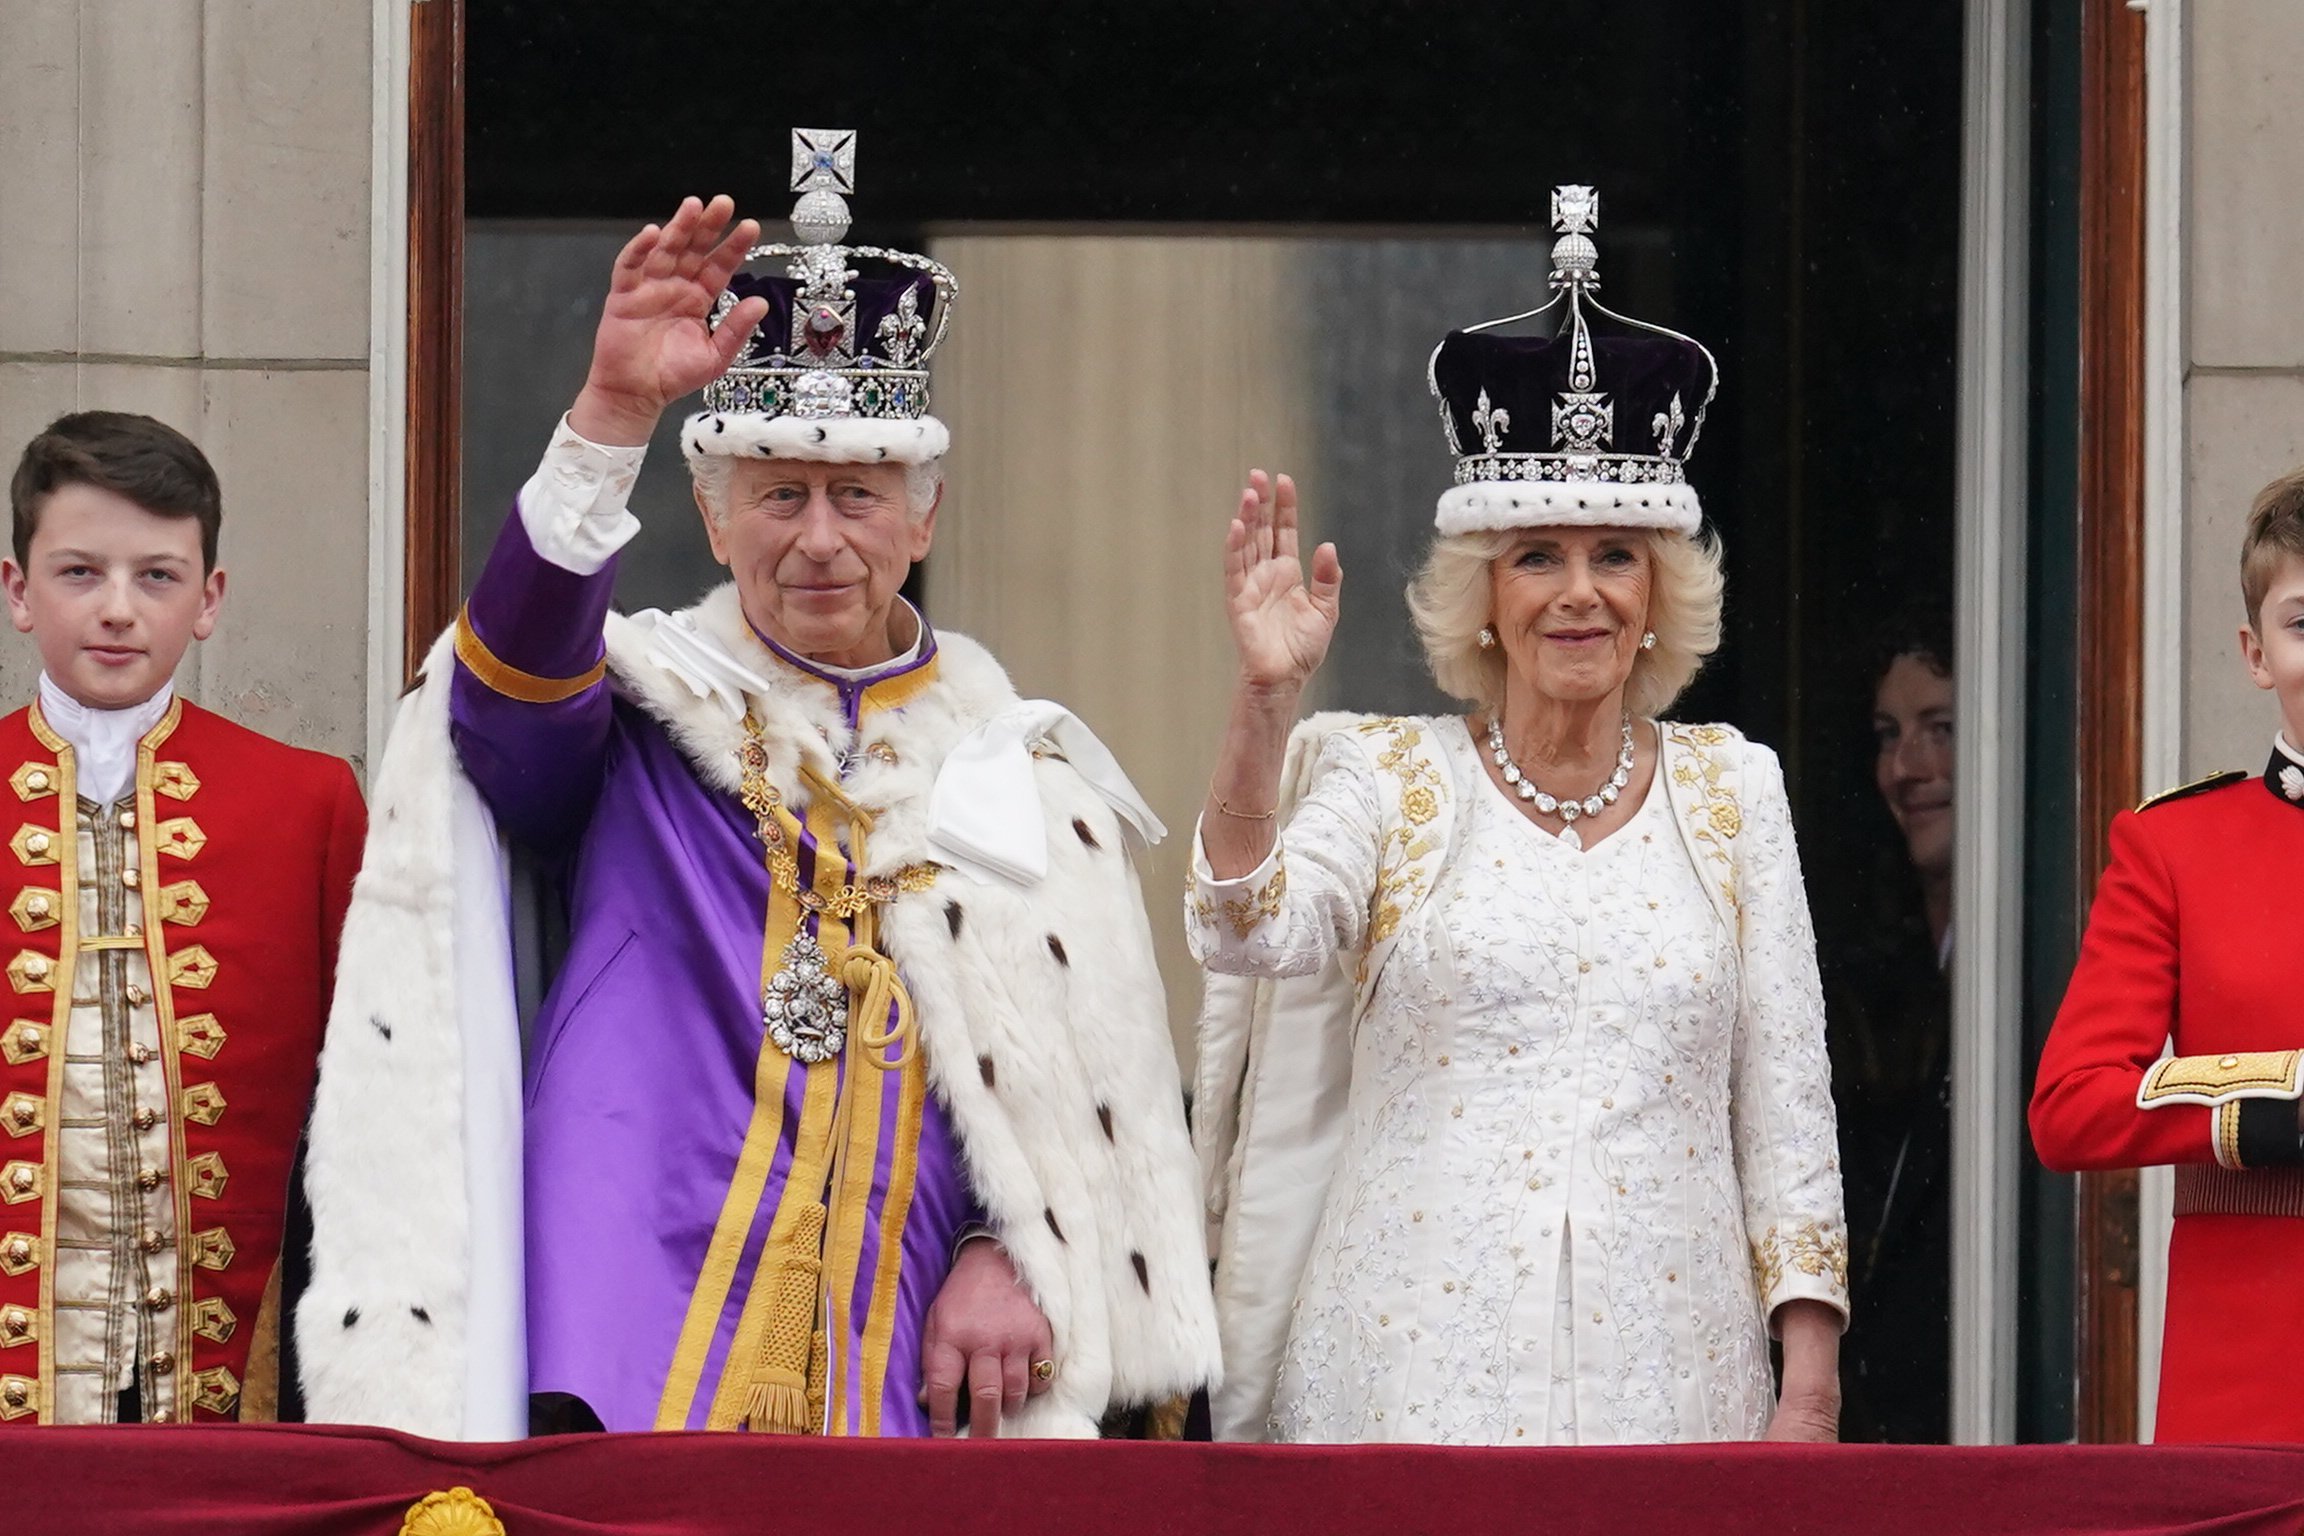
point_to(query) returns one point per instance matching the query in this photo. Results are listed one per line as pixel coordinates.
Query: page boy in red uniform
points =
(174, 884)
(2195, 940)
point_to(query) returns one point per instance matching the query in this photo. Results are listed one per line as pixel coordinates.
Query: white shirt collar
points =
(894, 664)
(103, 741)
(2281, 746)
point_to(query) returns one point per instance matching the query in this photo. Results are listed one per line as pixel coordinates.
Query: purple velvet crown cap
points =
(1523, 377)
(879, 287)
(1587, 424)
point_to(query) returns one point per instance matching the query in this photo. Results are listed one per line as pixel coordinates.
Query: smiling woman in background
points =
(1537, 1004)
(1885, 979)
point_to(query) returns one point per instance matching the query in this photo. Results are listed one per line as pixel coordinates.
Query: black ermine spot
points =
(1056, 948)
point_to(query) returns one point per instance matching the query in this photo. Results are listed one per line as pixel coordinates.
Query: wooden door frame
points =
(2110, 528)
(432, 569)
(2110, 688)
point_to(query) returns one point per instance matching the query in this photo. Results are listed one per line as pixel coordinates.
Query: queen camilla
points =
(1513, 1105)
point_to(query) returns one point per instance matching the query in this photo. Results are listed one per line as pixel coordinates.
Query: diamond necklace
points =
(1567, 810)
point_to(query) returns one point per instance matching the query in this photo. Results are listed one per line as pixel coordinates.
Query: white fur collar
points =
(892, 758)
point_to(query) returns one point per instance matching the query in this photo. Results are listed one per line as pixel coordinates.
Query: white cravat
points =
(103, 741)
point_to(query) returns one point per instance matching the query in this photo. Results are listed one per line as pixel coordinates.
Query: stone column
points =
(2244, 348)
(184, 186)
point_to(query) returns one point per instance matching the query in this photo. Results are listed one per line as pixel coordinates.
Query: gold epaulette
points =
(2196, 787)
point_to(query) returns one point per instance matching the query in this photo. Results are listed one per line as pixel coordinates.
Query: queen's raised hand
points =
(1281, 621)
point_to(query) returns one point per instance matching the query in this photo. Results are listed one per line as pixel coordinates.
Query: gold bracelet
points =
(1240, 815)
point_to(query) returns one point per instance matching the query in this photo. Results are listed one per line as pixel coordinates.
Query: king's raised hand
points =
(656, 341)
(1281, 622)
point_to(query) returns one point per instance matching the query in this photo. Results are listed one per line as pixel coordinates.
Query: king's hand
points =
(656, 341)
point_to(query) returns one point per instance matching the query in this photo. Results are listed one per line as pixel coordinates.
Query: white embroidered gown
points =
(1577, 1170)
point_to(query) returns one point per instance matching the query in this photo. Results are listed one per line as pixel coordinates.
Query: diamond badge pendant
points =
(806, 1006)
(1569, 836)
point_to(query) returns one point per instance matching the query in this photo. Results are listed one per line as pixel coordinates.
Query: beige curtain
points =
(1107, 394)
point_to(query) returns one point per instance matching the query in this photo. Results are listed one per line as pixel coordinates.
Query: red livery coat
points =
(247, 850)
(2195, 937)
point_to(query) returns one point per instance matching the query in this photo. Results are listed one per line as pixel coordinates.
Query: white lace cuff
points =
(573, 507)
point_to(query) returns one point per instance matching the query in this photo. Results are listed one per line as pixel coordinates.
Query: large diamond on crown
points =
(805, 1009)
(819, 393)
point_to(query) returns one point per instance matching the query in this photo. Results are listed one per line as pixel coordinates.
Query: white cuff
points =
(573, 506)
(1205, 878)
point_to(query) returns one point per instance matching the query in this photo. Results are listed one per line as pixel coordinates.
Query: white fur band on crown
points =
(839, 440)
(1489, 506)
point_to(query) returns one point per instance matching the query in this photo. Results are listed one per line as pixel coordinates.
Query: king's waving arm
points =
(530, 705)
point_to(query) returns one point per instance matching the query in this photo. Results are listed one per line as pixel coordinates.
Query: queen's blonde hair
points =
(1451, 600)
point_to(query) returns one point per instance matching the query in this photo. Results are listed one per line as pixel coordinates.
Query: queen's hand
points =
(1281, 623)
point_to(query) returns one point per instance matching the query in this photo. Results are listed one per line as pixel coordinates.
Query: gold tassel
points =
(776, 1408)
(777, 1399)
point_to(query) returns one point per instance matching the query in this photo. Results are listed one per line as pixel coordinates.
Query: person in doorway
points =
(1889, 1006)
(855, 1098)
(2180, 1039)
(1520, 1126)
(179, 885)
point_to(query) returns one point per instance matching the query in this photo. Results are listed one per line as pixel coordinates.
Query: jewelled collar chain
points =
(802, 1003)
(765, 803)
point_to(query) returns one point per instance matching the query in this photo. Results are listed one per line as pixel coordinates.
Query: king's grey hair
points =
(712, 473)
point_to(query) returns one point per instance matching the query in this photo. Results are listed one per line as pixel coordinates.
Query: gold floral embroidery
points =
(1813, 1249)
(1721, 818)
(1400, 882)
(1245, 912)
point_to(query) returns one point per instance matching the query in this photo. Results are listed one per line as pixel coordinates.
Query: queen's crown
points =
(1600, 406)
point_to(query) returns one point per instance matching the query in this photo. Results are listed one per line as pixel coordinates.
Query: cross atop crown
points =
(823, 173)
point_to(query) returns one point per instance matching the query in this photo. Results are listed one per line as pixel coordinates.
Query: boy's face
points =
(112, 595)
(2273, 646)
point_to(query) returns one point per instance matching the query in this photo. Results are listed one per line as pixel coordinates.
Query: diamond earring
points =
(1487, 638)
(1648, 641)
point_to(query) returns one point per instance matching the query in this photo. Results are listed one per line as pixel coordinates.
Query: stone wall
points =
(2243, 226)
(184, 231)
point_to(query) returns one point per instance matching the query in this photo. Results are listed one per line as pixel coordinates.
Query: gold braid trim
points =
(500, 676)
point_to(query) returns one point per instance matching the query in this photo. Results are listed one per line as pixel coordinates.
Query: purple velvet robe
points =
(642, 1071)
